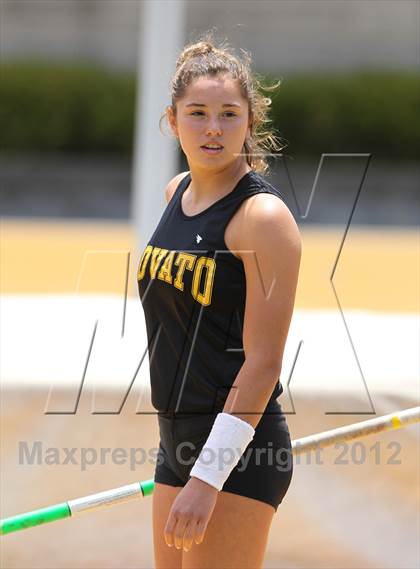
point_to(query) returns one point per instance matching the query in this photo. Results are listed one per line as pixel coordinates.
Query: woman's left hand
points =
(190, 513)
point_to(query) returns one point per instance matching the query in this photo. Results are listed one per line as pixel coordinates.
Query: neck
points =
(209, 185)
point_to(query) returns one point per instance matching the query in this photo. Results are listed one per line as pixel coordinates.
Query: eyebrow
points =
(202, 105)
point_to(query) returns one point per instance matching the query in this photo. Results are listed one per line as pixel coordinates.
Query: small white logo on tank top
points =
(198, 238)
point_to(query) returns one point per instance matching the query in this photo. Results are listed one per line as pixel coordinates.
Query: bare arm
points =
(271, 252)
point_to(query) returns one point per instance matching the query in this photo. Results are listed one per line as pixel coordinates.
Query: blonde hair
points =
(204, 58)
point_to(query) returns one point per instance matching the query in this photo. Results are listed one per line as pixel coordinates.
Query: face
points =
(212, 111)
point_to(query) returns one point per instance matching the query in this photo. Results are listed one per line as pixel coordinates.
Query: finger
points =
(179, 532)
(200, 530)
(168, 532)
(189, 535)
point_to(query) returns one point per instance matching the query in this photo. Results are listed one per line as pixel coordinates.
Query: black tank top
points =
(193, 289)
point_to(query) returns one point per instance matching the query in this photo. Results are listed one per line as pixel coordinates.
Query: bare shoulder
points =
(173, 184)
(262, 220)
(265, 210)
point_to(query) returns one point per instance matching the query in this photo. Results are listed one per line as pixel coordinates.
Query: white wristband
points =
(224, 447)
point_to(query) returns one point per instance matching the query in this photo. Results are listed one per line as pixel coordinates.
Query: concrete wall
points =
(281, 35)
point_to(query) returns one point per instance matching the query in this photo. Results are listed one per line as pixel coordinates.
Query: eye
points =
(229, 114)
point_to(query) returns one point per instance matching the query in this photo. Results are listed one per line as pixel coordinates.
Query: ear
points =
(172, 120)
(249, 129)
(248, 132)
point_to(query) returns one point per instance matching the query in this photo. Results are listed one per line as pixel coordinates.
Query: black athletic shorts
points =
(263, 472)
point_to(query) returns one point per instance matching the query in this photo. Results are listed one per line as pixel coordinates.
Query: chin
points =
(209, 162)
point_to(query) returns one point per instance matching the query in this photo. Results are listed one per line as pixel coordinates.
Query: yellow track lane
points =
(378, 267)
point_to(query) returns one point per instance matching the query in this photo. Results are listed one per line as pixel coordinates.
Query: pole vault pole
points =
(71, 508)
(357, 430)
(77, 506)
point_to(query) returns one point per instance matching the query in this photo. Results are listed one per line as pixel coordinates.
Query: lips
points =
(212, 151)
(212, 146)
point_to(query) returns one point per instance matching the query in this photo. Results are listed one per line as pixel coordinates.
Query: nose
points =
(213, 128)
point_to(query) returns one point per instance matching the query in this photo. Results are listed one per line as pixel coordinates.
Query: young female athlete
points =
(217, 281)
